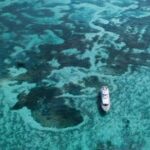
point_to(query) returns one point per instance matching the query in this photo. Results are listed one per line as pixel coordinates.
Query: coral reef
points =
(54, 57)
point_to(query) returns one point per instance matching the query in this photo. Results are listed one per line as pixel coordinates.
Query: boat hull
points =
(105, 108)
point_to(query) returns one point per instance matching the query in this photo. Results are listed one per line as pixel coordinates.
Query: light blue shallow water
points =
(55, 56)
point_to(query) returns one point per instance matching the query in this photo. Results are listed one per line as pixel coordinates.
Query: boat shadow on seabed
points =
(101, 111)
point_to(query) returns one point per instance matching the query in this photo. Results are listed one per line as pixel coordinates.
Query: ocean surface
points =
(54, 57)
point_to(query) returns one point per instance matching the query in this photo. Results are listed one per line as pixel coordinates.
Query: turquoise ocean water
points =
(54, 57)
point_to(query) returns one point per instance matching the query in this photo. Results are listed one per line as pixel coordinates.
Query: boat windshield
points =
(105, 104)
(105, 94)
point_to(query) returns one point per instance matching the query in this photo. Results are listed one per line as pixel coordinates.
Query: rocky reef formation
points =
(48, 108)
(55, 55)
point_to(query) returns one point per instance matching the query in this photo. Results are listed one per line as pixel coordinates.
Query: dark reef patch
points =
(61, 117)
(72, 88)
(119, 61)
(20, 64)
(128, 36)
(73, 61)
(92, 81)
(48, 108)
(35, 74)
(48, 52)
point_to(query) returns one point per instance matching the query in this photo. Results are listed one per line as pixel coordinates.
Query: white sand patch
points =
(54, 63)
(26, 115)
(11, 89)
(64, 76)
(13, 71)
(138, 51)
(17, 50)
(141, 34)
(8, 36)
(72, 51)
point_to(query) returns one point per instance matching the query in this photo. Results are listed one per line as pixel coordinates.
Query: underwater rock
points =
(35, 96)
(72, 88)
(73, 61)
(21, 101)
(20, 64)
(46, 95)
(60, 116)
(48, 108)
(92, 81)
(35, 72)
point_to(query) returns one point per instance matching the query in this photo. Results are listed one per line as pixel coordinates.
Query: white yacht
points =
(105, 98)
